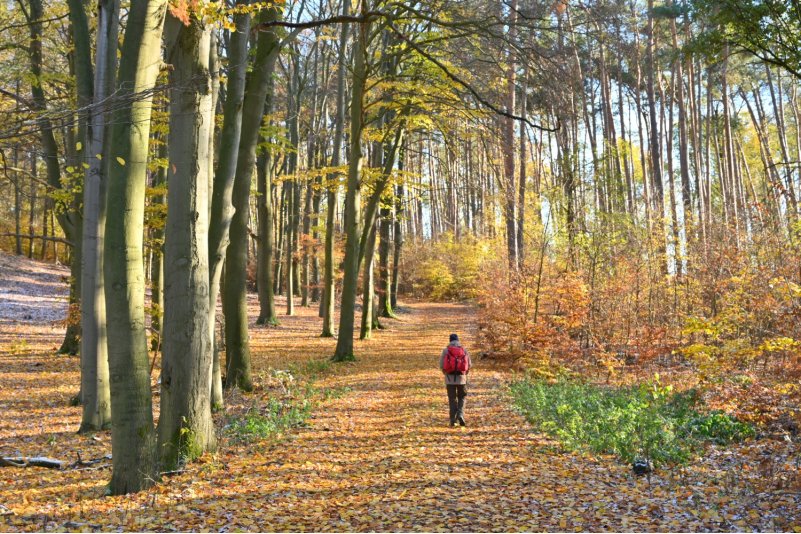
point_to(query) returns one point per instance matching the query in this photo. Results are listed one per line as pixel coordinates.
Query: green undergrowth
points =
(290, 396)
(646, 422)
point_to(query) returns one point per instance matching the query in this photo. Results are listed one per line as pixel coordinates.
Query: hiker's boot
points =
(461, 420)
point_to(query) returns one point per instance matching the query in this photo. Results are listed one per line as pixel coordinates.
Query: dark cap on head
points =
(454, 337)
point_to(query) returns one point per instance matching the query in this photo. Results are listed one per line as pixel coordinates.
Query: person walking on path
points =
(454, 362)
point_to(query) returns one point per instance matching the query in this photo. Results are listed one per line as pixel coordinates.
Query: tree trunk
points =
(222, 209)
(264, 272)
(264, 268)
(684, 164)
(235, 295)
(654, 142)
(328, 303)
(186, 429)
(352, 223)
(384, 280)
(69, 216)
(508, 133)
(368, 285)
(521, 192)
(132, 434)
(95, 393)
(400, 198)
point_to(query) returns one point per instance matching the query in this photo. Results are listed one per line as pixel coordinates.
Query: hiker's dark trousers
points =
(456, 395)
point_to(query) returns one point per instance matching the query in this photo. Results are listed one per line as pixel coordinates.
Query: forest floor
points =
(376, 453)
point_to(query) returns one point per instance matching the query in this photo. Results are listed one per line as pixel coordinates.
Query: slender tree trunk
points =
(186, 429)
(368, 284)
(328, 301)
(292, 196)
(279, 231)
(95, 392)
(384, 279)
(222, 209)
(730, 196)
(778, 113)
(31, 214)
(290, 251)
(17, 213)
(237, 345)
(674, 223)
(315, 252)
(133, 436)
(508, 133)
(684, 164)
(352, 223)
(654, 142)
(69, 216)
(264, 272)
(398, 240)
(521, 193)
(305, 275)
(264, 268)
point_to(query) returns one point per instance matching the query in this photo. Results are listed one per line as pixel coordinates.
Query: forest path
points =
(383, 457)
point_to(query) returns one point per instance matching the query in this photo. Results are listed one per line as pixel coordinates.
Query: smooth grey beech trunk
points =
(186, 429)
(327, 300)
(264, 272)
(398, 232)
(69, 214)
(235, 291)
(95, 391)
(222, 210)
(132, 431)
(384, 280)
(352, 222)
(368, 284)
(264, 254)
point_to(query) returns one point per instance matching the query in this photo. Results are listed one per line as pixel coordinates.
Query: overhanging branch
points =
(453, 77)
(369, 16)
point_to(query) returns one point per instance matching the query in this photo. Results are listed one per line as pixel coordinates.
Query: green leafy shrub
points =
(276, 417)
(720, 428)
(292, 399)
(647, 421)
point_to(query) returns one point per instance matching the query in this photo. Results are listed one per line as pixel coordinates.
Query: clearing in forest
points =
(376, 452)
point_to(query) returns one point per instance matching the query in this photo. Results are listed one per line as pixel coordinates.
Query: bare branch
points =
(483, 101)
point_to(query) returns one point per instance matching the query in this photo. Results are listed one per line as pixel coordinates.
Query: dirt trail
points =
(384, 458)
(379, 458)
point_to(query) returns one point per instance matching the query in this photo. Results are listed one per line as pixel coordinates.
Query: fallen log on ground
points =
(35, 461)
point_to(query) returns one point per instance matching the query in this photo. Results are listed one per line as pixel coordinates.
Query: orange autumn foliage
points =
(532, 314)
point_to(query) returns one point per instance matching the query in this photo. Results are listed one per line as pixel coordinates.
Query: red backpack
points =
(455, 361)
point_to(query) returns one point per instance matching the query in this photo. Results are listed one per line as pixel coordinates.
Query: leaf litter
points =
(380, 456)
